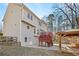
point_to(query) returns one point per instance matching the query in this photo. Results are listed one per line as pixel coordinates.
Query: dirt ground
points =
(29, 51)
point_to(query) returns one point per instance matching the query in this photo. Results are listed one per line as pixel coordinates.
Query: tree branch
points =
(65, 14)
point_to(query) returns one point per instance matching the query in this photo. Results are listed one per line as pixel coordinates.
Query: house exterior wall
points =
(35, 21)
(11, 21)
(16, 22)
(27, 32)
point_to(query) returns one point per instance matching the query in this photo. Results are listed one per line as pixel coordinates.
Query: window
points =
(28, 27)
(25, 39)
(37, 31)
(15, 11)
(34, 30)
(28, 15)
(31, 17)
(42, 30)
(40, 23)
(24, 15)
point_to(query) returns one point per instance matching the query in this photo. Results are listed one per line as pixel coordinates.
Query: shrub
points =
(1, 34)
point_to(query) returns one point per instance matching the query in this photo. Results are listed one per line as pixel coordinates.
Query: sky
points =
(3, 8)
(40, 9)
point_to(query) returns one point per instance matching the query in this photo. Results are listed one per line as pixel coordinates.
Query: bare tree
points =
(67, 17)
(73, 9)
(74, 17)
(50, 19)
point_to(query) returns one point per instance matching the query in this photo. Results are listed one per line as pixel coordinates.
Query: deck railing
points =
(9, 41)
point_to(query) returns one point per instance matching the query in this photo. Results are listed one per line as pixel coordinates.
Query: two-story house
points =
(19, 21)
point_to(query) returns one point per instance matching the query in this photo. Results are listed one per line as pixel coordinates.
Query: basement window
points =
(25, 39)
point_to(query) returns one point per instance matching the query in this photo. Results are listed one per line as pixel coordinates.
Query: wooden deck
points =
(68, 33)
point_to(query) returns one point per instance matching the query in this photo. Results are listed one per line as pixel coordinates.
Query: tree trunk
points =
(73, 22)
(76, 16)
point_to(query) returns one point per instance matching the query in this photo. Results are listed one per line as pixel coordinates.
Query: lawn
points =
(28, 51)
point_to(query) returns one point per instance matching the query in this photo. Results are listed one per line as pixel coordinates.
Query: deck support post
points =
(60, 42)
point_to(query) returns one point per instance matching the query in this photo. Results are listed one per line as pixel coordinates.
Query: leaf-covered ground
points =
(28, 51)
